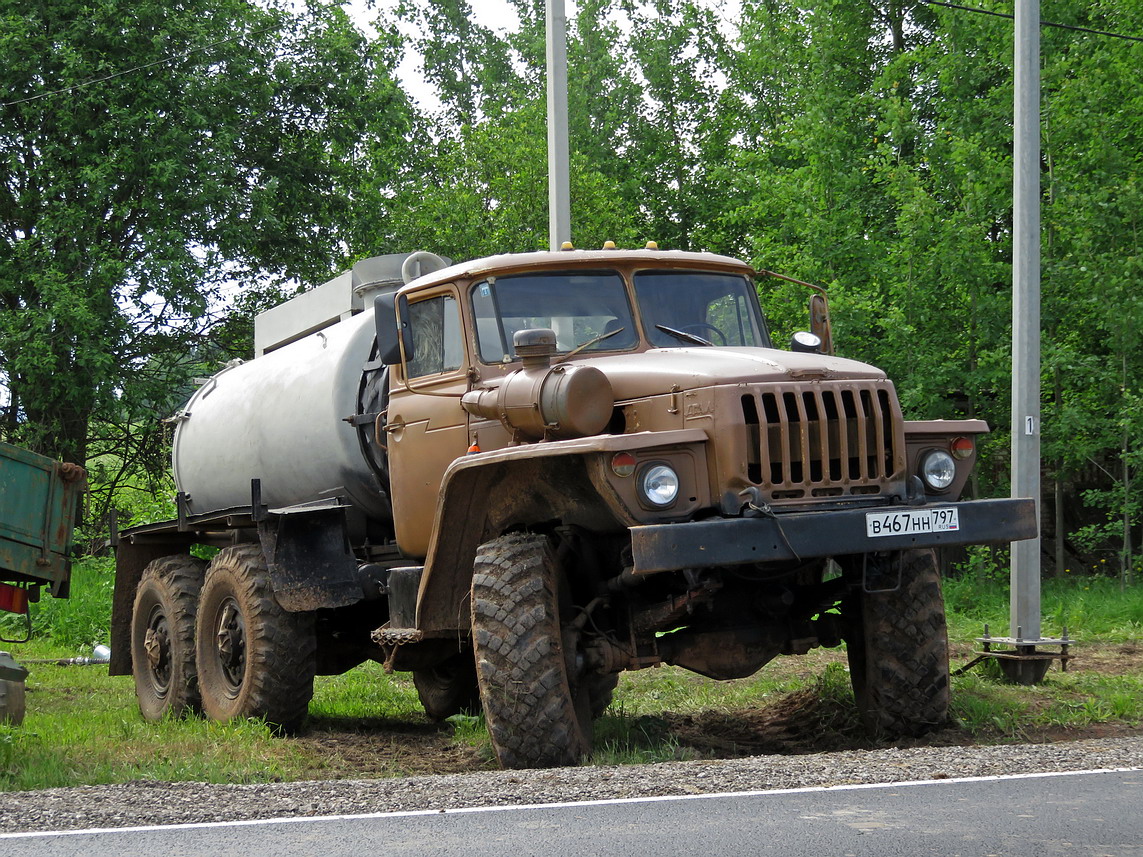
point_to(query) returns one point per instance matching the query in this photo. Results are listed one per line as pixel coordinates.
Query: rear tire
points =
(162, 637)
(600, 691)
(254, 658)
(449, 688)
(898, 650)
(536, 700)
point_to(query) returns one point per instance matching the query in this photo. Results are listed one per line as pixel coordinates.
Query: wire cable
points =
(1043, 23)
(144, 67)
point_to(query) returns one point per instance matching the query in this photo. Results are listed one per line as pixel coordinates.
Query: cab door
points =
(426, 427)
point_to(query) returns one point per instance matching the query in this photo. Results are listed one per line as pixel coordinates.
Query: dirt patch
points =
(799, 722)
(387, 748)
(813, 720)
(1109, 658)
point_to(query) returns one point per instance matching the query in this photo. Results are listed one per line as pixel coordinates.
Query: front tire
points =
(536, 699)
(162, 637)
(897, 644)
(254, 658)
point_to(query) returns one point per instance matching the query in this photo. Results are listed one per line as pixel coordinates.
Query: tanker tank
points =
(281, 417)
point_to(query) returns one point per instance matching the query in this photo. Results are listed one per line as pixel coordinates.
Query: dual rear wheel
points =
(214, 640)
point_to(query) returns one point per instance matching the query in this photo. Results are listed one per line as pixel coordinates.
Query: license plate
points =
(910, 522)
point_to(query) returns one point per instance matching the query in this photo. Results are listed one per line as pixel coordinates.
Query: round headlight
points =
(659, 485)
(938, 469)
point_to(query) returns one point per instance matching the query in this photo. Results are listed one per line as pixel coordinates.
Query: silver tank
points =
(280, 418)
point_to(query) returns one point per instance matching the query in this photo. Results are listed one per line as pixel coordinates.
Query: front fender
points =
(485, 495)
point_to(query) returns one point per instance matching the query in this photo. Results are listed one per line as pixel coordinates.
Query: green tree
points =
(154, 156)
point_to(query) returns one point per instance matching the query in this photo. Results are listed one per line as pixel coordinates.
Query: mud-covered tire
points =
(898, 650)
(535, 715)
(162, 637)
(254, 658)
(449, 688)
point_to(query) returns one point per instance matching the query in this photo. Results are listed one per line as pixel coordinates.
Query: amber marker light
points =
(962, 447)
(623, 463)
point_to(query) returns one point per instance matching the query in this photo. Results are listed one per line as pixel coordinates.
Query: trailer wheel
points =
(535, 695)
(449, 688)
(254, 658)
(898, 649)
(162, 637)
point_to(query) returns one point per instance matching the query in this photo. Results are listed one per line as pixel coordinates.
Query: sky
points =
(494, 14)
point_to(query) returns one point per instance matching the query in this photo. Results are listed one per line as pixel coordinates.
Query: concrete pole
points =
(1025, 576)
(559, 182)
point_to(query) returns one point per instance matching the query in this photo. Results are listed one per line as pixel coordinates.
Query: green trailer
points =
(38, 502)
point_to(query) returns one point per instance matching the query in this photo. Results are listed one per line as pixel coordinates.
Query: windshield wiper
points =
(592, 342)
(684, 336)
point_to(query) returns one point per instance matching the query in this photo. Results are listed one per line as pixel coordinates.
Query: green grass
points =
(78, 622)
(1092, 608)
(83, 727)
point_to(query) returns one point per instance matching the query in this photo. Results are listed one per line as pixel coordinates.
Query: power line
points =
(144, 67)
(1072, 27)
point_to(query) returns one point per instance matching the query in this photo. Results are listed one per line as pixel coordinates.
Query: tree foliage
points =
(865, 146)
(155, 156)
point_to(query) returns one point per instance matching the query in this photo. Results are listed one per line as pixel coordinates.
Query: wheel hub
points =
(231, 643)
(157, 645)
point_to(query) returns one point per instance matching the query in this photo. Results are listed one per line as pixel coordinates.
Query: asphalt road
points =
(1074, 814)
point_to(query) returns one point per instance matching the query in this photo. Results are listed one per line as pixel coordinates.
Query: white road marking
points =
(206, 825)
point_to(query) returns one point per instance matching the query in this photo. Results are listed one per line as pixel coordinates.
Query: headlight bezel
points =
(653, 470)
(937, 470)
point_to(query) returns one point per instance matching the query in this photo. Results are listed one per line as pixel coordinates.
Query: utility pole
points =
(559, 182)
(1025, 580)
(1024, 664)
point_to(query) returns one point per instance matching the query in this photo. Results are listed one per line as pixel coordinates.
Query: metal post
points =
(1025, 579)
(559, 183)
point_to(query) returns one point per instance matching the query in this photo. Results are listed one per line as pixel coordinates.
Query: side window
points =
(438, 345)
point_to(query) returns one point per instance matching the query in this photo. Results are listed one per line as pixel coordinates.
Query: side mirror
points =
(394, 336)
(820, 323)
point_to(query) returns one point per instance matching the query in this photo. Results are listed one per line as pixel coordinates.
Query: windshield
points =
(590, 311)
(579, 307)
(679, 307)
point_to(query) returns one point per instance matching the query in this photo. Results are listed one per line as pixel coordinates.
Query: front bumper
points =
(804, 535)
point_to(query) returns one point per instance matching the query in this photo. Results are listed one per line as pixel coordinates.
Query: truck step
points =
(397, 636)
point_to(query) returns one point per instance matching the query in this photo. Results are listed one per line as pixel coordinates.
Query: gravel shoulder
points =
(152, 803)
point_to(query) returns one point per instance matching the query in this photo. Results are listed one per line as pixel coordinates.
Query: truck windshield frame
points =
(582, 306)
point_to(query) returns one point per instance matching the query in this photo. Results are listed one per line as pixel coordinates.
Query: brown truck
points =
(518, 476)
